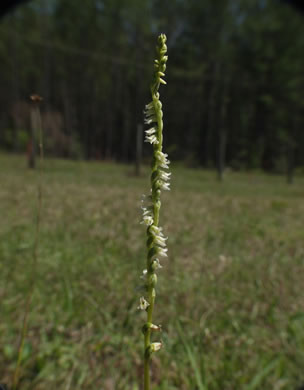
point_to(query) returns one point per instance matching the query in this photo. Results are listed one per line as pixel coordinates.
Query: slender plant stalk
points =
(37, 126)
(156, 242)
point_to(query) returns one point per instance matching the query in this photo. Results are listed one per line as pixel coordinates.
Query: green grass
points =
(230, 296)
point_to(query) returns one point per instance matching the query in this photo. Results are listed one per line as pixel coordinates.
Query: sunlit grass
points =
(234, 282)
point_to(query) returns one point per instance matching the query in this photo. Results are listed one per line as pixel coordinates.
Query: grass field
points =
(230, 296)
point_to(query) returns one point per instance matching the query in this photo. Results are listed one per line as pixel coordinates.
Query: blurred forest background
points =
(230, 298)
(235, 79)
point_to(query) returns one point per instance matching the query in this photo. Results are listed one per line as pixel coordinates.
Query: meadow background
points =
(230, 296)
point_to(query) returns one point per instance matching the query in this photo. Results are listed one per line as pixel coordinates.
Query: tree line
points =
(235, 79)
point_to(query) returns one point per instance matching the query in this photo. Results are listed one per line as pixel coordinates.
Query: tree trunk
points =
(211, 111)
(126, 125)
(291, 149)
(15, 85)
(290, 164)
(222, 140)
(139, 141)
(31, 148)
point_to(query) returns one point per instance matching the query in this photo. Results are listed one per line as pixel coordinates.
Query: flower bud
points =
(153, 280)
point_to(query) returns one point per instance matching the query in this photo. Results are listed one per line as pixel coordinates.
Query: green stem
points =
(146, 363)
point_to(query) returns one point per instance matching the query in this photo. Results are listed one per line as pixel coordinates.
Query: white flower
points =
(149, 106)
(149, 111)
(156, 264)
(151, 131)
(150, 119)
(147, 220)
(164, 186)
(162, 251)
(156, 328)
(147, 215)
(156, 346)
(152, 139)
(162, 159)
(158, 236)
(144, 275)
(147, 210)
(161, 241)
(156, 230)
(165, 165)
(165, 176)
(143, 304)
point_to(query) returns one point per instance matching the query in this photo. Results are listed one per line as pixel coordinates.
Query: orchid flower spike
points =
(160, 180)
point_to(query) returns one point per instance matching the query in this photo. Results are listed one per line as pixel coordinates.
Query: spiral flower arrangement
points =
(160, 177)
